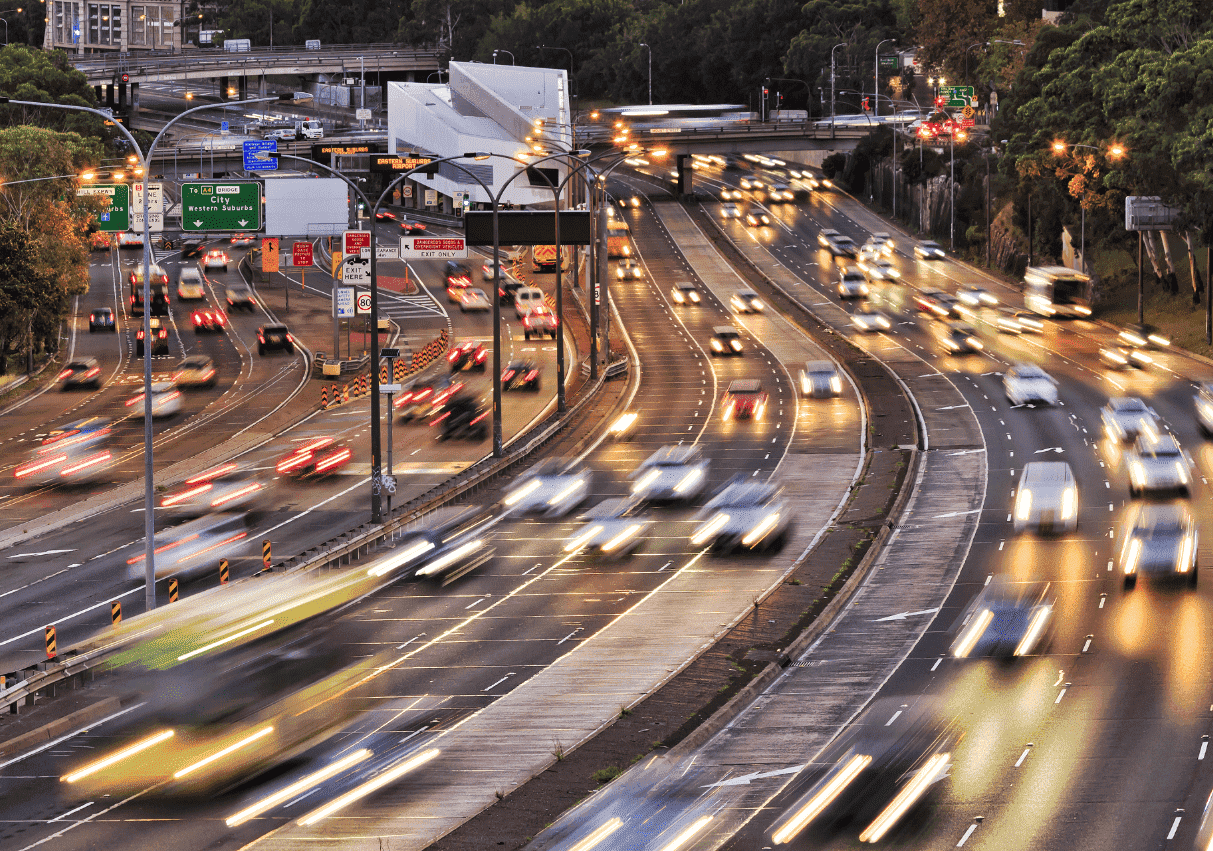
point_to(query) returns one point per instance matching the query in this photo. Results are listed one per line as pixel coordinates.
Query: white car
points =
(1203, 401)
(547, 490)
(1127, 417)
(852, 284)
(685, 292)
(1008, 320)
(611, 530)
(729, 211)
(746, 515)
(884, 240)
(1047, 498)
(474, 299)
(1158, 463)
(628, 269)
(879, 269)
(166, 400)
(870, 320)
(746, 301)
(225, 488)
(820, 380)
(189, 285)
(977, 297)
(1025, 384)
(928, 250)
(1159, 540)
(958, 338)
(671, 474)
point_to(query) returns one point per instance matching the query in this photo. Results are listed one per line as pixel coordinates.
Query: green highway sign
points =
(221, 205)
(118, 217)
(890, 62)
(957, 96)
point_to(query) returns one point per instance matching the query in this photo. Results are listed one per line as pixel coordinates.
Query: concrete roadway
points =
(1097, 743)
(476, 642)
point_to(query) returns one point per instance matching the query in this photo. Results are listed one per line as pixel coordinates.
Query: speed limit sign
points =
(364, 303)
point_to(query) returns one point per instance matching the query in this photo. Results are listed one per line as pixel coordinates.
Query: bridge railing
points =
(150, 61)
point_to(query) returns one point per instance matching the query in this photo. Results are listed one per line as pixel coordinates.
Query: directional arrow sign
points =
(221, 206)
(745, 779)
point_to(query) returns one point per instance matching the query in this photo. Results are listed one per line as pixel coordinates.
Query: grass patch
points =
(606, 775)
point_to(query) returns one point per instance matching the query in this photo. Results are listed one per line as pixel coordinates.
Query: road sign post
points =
(220, 206)
(356, 242)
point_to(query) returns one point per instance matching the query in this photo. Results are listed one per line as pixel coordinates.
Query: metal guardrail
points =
(152, 62)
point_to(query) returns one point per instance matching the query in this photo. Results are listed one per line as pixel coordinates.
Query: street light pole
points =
(876, 88)
(832, 86)
(642, 44)
(149, 493)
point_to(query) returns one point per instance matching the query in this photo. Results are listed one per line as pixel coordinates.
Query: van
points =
(525, 298)
(1047, 498)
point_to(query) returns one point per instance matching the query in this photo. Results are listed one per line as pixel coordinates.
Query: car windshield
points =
(1031, 372)
(1129, 406)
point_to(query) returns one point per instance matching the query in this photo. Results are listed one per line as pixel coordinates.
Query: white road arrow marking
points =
(900, 616)
(951, 407)
(745, 779)
(957, 514)
(47, 553)
(1050, 449)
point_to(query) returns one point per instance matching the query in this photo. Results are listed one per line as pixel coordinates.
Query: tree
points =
(25, 292)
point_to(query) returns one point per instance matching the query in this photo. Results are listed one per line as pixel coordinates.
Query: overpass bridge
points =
(112, 73)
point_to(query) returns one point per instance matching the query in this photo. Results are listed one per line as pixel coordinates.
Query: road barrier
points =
(52, 643)
(223, 572)
(361, 385)
(174, 590)
(115, 612)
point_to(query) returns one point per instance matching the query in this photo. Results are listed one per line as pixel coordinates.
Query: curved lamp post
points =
(1115, 151)
(876, 88)
(832, 77)
(149, 494)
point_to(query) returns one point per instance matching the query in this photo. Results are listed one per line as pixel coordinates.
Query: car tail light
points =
(453, 356)
(479, 418)
(67, 373)
(220, 318)
(728, 410)
(134, 400)
(335, 460)
(507, 375)
(237, 494)
(87, 464)
(532, 375)
(211, 474)
(481, 355)
(440, 418)
(38, 466)
(177, 498)
(293, 462)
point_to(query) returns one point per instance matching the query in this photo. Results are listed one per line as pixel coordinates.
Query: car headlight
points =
(1082, 311)
(736, 344)
(1181, 472)
(969, 638)
(695, 297)
(1184, 562)
(1023, 505)
(678, 298)
(836, 384)
(716, 346)
(689, 481)
(1069, 500)
(1132, 556)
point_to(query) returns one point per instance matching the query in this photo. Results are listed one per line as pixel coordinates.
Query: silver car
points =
(852, 284)
(547, 490)
(612, 529)
(671, 474)
(1047, 498)
(1159, 540)
(1026, 384)
(745, 515)
(1005, 621)
(820, 379)
(1126, 417)
(1204, 408)
(1158, 463)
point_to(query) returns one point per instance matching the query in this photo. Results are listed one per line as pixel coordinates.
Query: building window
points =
(138, 24)
(104, 24)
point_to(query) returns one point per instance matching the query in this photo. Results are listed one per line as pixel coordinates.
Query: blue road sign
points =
(224, 127)
(254, 155)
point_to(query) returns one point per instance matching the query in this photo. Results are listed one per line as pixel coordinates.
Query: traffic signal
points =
(940, 102)
(867, 104)
(126, 78)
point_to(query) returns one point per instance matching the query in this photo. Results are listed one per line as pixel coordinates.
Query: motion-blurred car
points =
(130, 239)
(521, 375)
(540, 321)
(928, 250)
(975, 296)
(628, 269)
(820, 379)
(746, 301)
(958, 338)
(1157, 463)
(192, 248)
(623, 426)
(473, 299)
(548, 489)
(101, 319)
(745, 514)
(1026, 384)
(463, 417)
(194, 546)
(166, 400)
(751, 183)
(726, 340)
(1123, 357)
(76, 452)
(939, 304)
(869, 319)
(1143, 337)
(159, 338)
(240, 297)
(215, 259)
(1159, 540)
(743, 400)
(837, 244)
(225, 488)
(457, 275)
(271, 338)
(685, 292)
(1203, 403)
(1009, 320)
(189, 284)
(412, 228)
(100, 241)
(469, 354)
(426, 398)
(879, 269)
(612, 529)
(1005, 621)
(320, 456)
(852, 284)
(757, 220)
(876, 773)
(1047, 498)
(242, 240)
(385, 216)
(671, 474)
(780, 193)
(1127, 417)
(196, 371)
(208, 319)
(884, 240)
(488, 269)
(729, 211)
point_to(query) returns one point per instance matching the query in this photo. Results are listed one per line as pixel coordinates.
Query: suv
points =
(744, 400)
(726, 340)
(159, 338)
(466, 418)
(189, 284)
(271, 337)
(540, 321)
(240, 297)
(101, 319)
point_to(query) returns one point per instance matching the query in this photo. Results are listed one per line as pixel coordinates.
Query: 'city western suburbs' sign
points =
(221, 206)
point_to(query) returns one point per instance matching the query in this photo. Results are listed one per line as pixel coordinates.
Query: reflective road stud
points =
(172, 590)
(115, 612)
(223, 576)
(265, 554)
(51, 643)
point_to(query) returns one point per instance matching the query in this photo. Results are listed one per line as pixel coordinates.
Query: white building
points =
(489, 108)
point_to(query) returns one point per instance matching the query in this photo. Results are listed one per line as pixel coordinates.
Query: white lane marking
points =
(1060, 695)
(73, 615)
(937, 661)
(966, 836)
(1023, 756)
(1086, 645)
(69, 812)
(46, 553)
(410, 641)
(1204, 747)
(476, 603)
(1174, 827)
(894, 718)
(500, 681)
(63, 739)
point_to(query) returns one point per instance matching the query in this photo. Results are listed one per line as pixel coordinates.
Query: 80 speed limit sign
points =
(364, 303)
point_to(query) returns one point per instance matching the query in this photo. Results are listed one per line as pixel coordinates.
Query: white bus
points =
(1057, 291)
